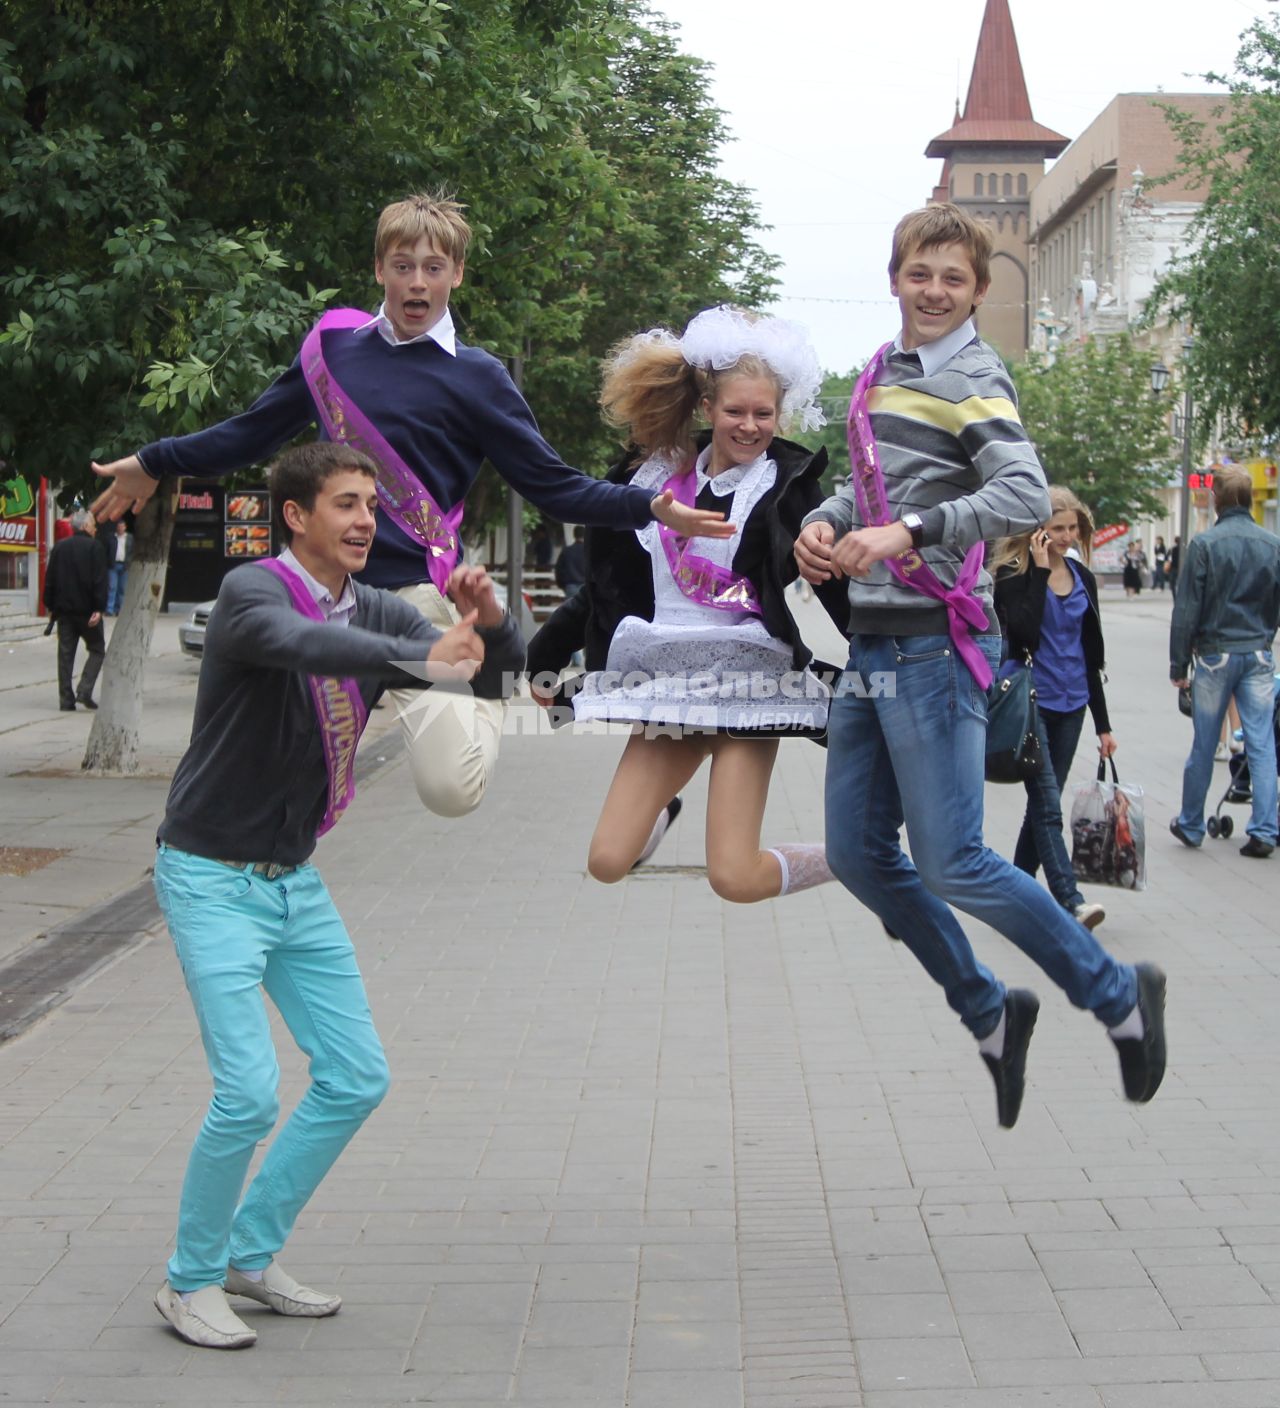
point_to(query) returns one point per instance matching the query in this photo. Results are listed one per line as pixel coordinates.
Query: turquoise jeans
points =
(237, 933)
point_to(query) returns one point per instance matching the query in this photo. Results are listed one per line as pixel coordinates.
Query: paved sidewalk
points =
(647, 1149)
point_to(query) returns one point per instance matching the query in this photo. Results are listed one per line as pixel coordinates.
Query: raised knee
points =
(360, 1090)
(732, 885)
(451, 797)
(608, 867)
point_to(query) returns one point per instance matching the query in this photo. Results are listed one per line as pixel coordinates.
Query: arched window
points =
(1007, 188)
(977, 184)
(993, 184)
(1022, 183)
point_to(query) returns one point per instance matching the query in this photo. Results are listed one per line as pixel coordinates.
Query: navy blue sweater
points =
(443, 415)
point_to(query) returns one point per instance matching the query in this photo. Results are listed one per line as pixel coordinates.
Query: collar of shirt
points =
(727, 480)
(443, 334)
(935, 355)
(339, 612)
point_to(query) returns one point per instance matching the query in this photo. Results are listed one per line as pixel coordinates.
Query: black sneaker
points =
(86, 703)
(1182, 835)
(1142, 1058)
(1257, 850)
(1009, 1069)
(673, 809)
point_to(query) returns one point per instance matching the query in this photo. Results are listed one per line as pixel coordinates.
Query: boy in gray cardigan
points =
(956, 469)
(295, 655)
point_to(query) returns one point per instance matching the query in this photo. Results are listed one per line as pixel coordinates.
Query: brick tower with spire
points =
(993, 156)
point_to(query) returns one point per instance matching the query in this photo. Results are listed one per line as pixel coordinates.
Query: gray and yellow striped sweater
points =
(954, 451)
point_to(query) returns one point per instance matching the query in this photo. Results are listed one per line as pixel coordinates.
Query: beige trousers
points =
(452, 737)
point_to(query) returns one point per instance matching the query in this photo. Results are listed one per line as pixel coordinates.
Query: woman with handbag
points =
(1048, 608)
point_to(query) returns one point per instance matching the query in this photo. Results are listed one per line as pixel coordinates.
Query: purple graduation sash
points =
(964, 613)
(340, 710)
(699, 579)
(401, 494)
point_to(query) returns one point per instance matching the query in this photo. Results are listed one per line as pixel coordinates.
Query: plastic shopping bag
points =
(1108, 832)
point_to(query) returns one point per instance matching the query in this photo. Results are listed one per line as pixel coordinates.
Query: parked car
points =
(191, 632)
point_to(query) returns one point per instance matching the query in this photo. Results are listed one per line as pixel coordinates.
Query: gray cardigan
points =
(252, 784)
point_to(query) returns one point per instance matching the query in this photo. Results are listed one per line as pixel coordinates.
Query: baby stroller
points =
(1240, 787)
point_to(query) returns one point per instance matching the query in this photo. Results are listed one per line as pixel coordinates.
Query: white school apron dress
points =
(696, 667)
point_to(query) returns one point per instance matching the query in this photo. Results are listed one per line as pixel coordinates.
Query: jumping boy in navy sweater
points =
(428, 410)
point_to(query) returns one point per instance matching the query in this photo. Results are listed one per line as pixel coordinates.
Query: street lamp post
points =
(1184, 509)
(1160, 380)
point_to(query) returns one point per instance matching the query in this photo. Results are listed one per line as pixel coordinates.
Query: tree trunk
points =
(117, 726)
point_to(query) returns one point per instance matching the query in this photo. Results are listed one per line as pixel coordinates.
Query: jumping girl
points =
(691, 641)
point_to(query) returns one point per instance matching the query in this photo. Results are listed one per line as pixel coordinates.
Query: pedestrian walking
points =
(295, 655)
(1225, 615)
(1135, 564)
(1160, 564)
(75, 596)
(1047, 603)
(941, 465)
(120, 555)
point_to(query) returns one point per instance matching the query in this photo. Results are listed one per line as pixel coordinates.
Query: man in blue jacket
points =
(1225, 615)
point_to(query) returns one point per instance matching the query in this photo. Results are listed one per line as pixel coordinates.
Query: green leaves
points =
(1228, 288)
(1098, 428)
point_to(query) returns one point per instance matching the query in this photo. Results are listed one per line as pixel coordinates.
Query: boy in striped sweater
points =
(941, 465)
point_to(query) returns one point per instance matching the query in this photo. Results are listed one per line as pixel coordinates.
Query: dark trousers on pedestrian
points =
(71, 631)
(1062, 733)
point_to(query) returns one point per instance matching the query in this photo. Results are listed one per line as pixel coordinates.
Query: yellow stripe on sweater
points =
(951, 416)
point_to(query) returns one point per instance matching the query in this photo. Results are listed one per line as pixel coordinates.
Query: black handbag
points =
(1013, 735)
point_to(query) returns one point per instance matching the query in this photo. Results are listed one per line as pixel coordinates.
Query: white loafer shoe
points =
(205, 1319)
(282, 1293)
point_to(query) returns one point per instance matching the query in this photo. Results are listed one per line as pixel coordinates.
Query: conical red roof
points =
(997, 110)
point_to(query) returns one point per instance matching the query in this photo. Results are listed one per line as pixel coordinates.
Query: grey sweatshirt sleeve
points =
(256, 624)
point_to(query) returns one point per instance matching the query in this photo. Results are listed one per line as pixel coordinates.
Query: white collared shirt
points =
(935, 355)
(336, 613)
(443, 334)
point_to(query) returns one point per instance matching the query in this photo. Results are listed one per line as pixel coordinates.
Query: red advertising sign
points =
(1110, 531)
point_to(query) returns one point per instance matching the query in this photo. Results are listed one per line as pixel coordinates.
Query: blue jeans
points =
(1249, 677)
(236, 933)
(116, 575)
(916, 754)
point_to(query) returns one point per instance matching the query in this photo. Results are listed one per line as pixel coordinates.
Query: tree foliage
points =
(1098, 427)
(1228, 287)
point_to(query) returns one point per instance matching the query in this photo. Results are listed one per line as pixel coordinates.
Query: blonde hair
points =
(1232, 488)
(937, 225)
(434, 214)
(652, 394)
(1015, 552)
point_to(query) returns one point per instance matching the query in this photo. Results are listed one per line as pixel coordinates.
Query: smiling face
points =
(332, 539)
(744, 419)
(937, 291)
(417, 281)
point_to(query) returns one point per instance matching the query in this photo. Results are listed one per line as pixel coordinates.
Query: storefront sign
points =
(17, 516)
(1109, 543)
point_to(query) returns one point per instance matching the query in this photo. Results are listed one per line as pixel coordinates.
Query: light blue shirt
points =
(935, 355)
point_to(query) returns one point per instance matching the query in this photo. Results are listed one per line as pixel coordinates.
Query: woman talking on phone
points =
(1048, 608)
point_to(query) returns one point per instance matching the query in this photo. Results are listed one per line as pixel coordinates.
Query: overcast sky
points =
(832, 102)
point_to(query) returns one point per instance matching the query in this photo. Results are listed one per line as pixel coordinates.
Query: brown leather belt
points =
(268, 869)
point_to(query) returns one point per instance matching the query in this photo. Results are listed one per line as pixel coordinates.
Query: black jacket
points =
(75, 580)
(1020, 598)
(620, 574)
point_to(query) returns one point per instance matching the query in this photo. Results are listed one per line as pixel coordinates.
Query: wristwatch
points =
(914, 525)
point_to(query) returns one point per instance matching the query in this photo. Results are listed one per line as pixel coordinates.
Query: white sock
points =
(248, 1275)
(1130, 1029)
(803, 866)
(993, 1045)
(656, 835)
